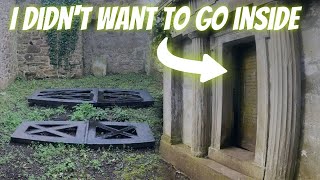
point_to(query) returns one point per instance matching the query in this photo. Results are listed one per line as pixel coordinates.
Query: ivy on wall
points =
(158, 33)
(62, 43)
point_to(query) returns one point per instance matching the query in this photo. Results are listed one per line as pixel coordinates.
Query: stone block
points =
(33, 49)
(196, 168)
(29, 57)
(99, 67)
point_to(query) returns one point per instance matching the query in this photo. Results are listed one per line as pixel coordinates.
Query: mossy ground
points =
(76, 162)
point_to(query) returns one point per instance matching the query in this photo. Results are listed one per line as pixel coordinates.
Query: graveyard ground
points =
(76, 162)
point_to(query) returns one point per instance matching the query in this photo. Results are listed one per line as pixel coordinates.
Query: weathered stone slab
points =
(99, 67)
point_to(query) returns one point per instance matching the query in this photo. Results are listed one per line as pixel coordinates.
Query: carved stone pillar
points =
(285, 87)
(172, 105)
(193, 5)
(201, 127)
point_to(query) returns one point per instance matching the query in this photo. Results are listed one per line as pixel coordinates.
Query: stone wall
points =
(120, 51)
(8, 64)
(34, 60)
(26, 53)
(33, 54)
(310, 148)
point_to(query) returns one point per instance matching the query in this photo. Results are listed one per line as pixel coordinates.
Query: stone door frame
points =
(217, 46)
(278, 102)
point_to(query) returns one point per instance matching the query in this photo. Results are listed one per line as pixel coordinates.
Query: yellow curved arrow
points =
(208, 68)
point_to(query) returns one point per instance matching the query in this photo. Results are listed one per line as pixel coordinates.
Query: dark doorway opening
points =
(245, 96)
(239, 123)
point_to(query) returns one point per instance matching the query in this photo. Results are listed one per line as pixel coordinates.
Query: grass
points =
(87, 111)
(77, 162)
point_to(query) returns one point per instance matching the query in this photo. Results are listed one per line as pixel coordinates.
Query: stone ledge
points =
(237, 159)
(196, 168)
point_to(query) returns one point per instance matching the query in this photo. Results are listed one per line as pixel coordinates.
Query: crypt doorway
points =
(245, 96)
(240, 95)
(240, 113)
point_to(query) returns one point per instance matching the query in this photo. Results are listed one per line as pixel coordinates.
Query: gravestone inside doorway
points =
(245, 97)
(239, 126)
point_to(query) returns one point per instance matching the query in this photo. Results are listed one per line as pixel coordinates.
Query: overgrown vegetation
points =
(86, 111)
(77, 162)
(62, 43)
(158, 33)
